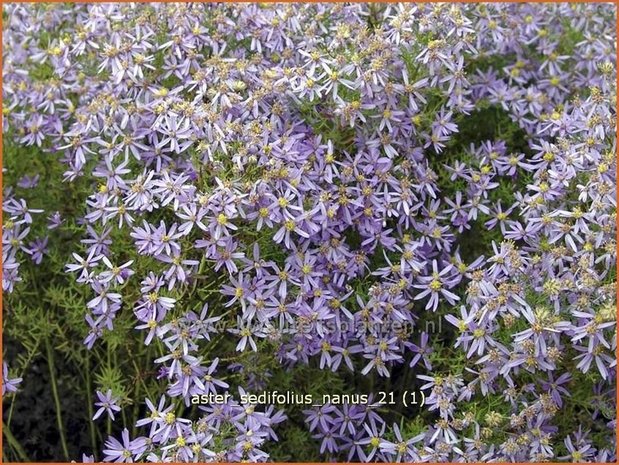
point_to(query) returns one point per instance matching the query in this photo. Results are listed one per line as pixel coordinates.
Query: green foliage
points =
(48, 306)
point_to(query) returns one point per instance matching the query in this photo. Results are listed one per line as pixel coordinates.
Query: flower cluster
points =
(226, 433)
(318, 182)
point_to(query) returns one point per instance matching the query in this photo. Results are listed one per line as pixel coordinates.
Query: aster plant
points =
(395, 221)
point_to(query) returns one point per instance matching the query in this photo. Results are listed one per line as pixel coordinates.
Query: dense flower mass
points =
(371, 199)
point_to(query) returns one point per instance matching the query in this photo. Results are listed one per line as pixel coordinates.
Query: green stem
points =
(109, 364)
(141, 379)
(11, 409)
(136, 397)
(14, 443)
(93, 439)
(50, 358)
(124, 415)
(405, 385)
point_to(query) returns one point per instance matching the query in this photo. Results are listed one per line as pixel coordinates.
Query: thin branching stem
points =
(52, 373)
(14, 443)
